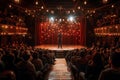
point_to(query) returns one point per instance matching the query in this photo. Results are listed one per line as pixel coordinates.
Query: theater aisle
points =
(60, 71)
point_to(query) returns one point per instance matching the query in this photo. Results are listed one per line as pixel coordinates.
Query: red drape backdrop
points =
(72, 33)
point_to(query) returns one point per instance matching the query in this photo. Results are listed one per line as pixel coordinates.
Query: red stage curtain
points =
(72, 33)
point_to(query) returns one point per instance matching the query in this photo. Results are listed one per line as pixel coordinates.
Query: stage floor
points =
(64, 47)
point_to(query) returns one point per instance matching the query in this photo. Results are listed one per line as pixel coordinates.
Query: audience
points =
(37, 61)
(23, 62)
(25, 69)
(112, 73)
(93, 63)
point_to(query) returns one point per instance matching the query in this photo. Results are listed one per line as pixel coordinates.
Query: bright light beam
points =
(51, 19)
(71, 19)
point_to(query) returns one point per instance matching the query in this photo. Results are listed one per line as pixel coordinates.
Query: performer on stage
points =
(59, 40)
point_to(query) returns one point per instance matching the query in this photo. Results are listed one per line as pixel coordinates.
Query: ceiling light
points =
(63, 19)
(105, 1)
(68, 12)
(26, 10)
(11, 16)
(33, 15)
(60, 20)
(47, 10)
(42, 7)
(85, 2)
(112, 6)
(73, 10)
(94, 11)
(52, 12)
(17, 1)
(36, 2)
(78, 7)
(10, 6)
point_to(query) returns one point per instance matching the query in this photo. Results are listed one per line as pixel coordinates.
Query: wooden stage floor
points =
(64, 47)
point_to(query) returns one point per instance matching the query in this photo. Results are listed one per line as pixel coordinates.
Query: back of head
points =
(8, 75)
(35, 55)
(8, 58)
(115, 59)
(26, 55)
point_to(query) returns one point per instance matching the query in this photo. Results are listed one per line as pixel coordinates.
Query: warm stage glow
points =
(70, 32)
(73, 33)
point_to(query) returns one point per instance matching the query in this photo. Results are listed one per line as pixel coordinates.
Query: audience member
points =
(112, 73)
(25, 69)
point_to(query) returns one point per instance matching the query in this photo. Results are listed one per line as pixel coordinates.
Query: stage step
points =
(59, 54)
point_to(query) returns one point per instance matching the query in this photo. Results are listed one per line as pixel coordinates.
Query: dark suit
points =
(59, 40)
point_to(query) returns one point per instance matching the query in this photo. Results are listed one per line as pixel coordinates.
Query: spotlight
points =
(71, 18)
(51, 19)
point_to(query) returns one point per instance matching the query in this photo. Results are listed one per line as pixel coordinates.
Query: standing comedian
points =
(59, 40)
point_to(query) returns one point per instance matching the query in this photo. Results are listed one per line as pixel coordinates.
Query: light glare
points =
(51, 19)
(71, 19)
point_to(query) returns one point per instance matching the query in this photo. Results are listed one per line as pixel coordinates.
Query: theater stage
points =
(60, 52)
(64, 47)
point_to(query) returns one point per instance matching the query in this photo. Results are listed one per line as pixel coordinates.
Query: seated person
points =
(112, 73)
(25, 69)
(7, 75)
(37, 61)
